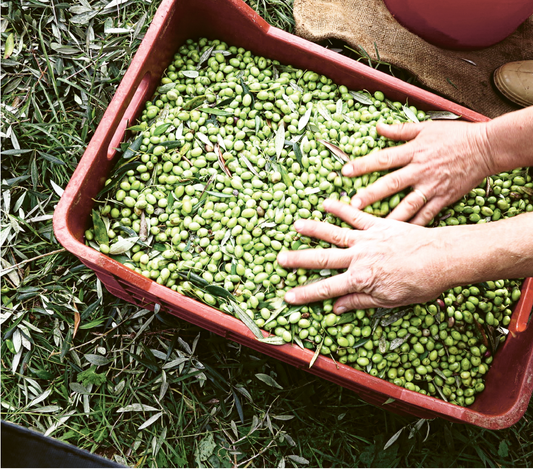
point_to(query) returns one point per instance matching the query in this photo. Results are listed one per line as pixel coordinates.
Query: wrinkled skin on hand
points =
(443, 160)
(390, 263)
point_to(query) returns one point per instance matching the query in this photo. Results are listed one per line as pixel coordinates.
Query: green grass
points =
(147, 389)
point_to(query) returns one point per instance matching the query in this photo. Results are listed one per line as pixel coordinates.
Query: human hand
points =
(390, 263)
(442, 161)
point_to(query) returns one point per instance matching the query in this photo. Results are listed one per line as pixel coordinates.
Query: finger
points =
(316, 259)
(352, 216)
(385, 186)
(399, 131)
(355, 301)
(408, 207)
(381, 160)
(331, 287)
(428, 212)
(341, 237)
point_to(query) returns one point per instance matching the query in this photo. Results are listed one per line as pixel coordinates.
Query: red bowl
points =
(461, 24)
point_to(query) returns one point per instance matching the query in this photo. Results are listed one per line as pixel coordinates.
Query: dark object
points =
(25, 448)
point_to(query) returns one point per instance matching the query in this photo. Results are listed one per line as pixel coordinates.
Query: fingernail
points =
(341, 310)
(355, 202)
(290, 297)
(347, 170)
(282, 258)
(299, 225)
(325, 204)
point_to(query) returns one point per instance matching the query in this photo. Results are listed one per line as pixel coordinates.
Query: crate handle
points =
(137, 101)
(524, 308)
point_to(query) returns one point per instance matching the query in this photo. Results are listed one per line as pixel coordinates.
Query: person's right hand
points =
(443, 160)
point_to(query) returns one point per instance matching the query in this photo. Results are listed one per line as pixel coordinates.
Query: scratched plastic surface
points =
(509, 383)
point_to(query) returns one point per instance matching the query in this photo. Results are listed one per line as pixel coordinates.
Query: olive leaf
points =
(277, 312)
(290, 102)
(410, 114)
(297, 339)
(247, 320)
(317, 353)
(324, 112)
(190, 73)
(346, 318)
(170, 144)
(220, 194)
(220, 292)
(100, 231)
(393, 439)
(122, 245)
(267, 379)
(382, 344)
(9, 46)
(166, 88)
(338, 106)
(279, 140)
(295, 87)
(248, 164)
(203, 138)
(192, 277)
(285, 176)
(133, 148)
(297, 153)
(302, 123)
(161, 129)
(395, 343)
(204, 57)
(215, 112)
(143, 230)
(194, 102)
(442, 115)
(120, 170)
(439, 390)
(394, 317)
(336, 151)
(361, 98)
(272, 340)
(221, 142)
(221, 161)
(361, 342)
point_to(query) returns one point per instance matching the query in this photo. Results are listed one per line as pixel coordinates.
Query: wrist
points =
(509, 140)
(492, 251)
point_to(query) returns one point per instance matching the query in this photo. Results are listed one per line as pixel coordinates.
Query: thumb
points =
(399, 131)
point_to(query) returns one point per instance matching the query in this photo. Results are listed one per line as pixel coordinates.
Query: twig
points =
(10, 268)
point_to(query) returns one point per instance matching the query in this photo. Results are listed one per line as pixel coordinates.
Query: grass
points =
(146, 389)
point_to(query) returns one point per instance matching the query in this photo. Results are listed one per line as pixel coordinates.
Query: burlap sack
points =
(365, 22)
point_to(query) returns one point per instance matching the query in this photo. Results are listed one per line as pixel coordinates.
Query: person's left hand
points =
(390, 263)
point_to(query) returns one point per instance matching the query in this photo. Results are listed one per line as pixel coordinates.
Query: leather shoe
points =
(515, 82)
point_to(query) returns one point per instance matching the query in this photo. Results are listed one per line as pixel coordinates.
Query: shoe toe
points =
(515, 82)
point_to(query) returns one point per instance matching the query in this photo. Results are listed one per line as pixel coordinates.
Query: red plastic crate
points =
(510, 380)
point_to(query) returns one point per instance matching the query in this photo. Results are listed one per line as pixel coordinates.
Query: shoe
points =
(515, 82)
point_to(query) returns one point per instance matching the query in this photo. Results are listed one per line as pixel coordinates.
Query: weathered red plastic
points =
(509, 382)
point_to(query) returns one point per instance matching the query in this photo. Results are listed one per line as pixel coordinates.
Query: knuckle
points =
(339, 238)
(384, 159)
(394, 182)
(322, 259)
(414, 203)
(359, 280)
(324, 289)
